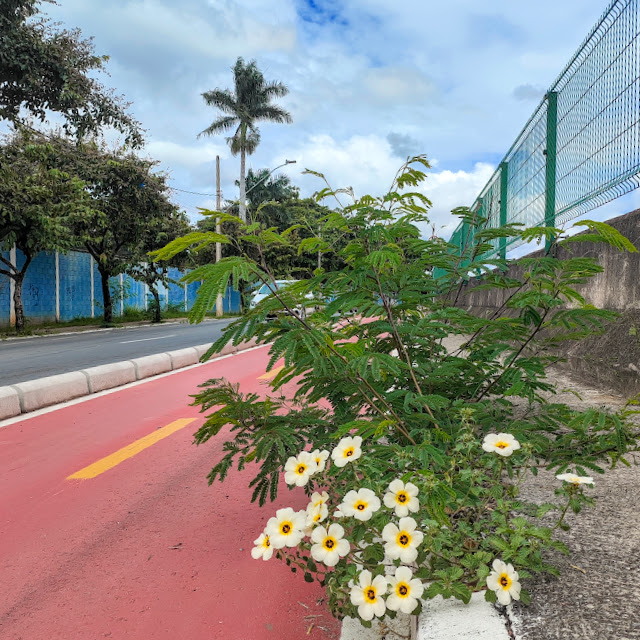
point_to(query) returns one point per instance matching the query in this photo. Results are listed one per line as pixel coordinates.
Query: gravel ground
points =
(597, 595)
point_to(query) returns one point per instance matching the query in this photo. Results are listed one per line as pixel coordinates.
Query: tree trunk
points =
(243, 186)
(107, 305)
(17, 301)
(156, 304)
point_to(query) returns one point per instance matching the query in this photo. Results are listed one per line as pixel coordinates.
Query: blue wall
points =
(75, 300)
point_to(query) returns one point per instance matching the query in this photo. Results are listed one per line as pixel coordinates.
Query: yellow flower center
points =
(265, 542)
(329, 543)
(317, 517)
(360, 506)
(505, 581)
(349, 452)
(402, 589)
(403, 539)
(402, 497)
(286, 527)
(301, 469)
(501, 445)
(370, 594)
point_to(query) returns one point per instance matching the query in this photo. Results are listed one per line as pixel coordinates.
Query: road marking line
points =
(129, 451)
(271, 374)
(146, 339)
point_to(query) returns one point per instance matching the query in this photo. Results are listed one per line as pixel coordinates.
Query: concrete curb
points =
(452, 619)
(43, 392)
(440, 620)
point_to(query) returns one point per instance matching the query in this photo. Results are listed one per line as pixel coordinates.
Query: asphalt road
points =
(108, 528)
(23, 359)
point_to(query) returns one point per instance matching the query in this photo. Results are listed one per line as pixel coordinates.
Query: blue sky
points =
(370, 82)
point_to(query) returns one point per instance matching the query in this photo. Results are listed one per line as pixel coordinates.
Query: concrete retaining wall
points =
(617, 288)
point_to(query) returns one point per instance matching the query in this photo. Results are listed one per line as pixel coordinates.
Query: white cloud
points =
(430, 77)
(450, 189)
(397, 84)
(189, 156)
(368, 165)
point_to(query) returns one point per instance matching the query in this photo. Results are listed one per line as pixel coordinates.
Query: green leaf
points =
(490, 596)
(602, 233)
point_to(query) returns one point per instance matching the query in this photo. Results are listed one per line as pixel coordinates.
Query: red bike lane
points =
(144, 549)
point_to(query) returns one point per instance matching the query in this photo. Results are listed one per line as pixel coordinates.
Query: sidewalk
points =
(597, 594)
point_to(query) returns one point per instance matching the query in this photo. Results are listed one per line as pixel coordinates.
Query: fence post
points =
(12, 288)
(93, 293)
(121, 295)
(504, 185)
(57, 287)
(550, 154)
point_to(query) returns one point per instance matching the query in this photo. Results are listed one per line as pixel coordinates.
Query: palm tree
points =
(250, 102)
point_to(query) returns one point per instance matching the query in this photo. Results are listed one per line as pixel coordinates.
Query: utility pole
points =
(218, 230)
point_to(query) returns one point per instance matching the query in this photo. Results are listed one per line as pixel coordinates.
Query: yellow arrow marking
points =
(271, 374)
(129, 451)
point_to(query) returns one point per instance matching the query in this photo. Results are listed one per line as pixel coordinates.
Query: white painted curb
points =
(108, 376)
(43, 392)
(9, 403)
(184, 357)
(148, 366)
(440, 620)
(454, 620)
(36, 394)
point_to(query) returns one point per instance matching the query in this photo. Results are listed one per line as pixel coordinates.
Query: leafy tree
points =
(250, 102)
(127, 197)
(38, 206)
(302, 216)
(43, 67)
(405, 385)
(158, 232)
(262, 188)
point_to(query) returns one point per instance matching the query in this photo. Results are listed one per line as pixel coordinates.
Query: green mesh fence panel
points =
(598, 133)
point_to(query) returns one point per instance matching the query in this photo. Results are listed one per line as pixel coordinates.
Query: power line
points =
(194, 193)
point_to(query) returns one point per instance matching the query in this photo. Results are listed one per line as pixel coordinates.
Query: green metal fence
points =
(581, 147)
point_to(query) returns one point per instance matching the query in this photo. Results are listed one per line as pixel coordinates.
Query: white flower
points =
(504, 581)
(285, 529)
(402, 541)
(347, 450)
(361, 504)
(318, 498)
(405, 591)
(402, 497)
(320, 458)
(299, 469)
(367, 595)
(330, 545)
(503, 444)
(263, 548)
(316, 515)
(574, 479)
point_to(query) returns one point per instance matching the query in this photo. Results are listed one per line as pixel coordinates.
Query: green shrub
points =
(453, 410)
